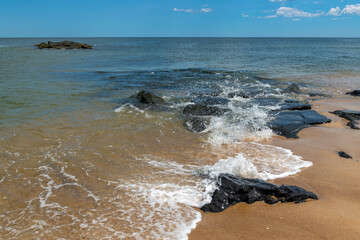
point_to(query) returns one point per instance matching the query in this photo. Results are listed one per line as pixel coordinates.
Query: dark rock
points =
(348, 114)
(294, 105)
(148, 98)
(207, 100)
(293, 88)
(250, 94)
(354, 124)
(203, 110)
(344, 155)
(354, 93)
(317, 94)
(63, 45)
(233, 190)
(208, 92)
(196, 124)
(289, 124)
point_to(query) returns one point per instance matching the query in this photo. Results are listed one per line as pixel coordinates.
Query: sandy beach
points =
(336, 181)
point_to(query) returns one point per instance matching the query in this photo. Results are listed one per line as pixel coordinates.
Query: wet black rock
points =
(348, 114)
(317, 94)
(289, 124)
(208, 92)
(203, 110)
(354, 124)
(293, 88)
(196, 124)
(233, 190)
(344, 155)
(294, 105)
(354, 93)
(146, 97)
(249, 94)
(63, 45)
(207, 100)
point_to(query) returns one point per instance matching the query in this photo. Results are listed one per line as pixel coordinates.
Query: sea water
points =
(78, 160)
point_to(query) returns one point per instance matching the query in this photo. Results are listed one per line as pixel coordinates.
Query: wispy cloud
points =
(288, 12)
(184, 10)
(204, 9)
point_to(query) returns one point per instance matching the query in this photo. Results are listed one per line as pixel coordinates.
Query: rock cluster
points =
(232, 190)
(352, 116)
(63, 45)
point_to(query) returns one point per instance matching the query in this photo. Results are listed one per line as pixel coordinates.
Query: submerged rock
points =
(196, 124)
(250, 94)
(354, 93)
(344, 155)
(289, 124)
(203, 110)
(233, 190)
(293, 88)
(63, 45)
(146, 97)
(207, 100)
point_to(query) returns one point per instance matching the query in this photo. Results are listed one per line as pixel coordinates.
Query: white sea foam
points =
(258, 161)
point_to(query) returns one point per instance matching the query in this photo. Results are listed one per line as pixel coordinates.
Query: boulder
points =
(354, 93)
(196, 124)
(232, 190)
(203, 110)
(290, 123)
(344, 155)
(63, 45)
(146, 97)
(293, 88)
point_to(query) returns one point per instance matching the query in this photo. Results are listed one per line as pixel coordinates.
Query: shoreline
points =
(336, 181)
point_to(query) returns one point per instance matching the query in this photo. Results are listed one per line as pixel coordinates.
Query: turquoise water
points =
(79, 161)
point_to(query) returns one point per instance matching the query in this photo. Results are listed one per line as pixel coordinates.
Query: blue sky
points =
(176, 18)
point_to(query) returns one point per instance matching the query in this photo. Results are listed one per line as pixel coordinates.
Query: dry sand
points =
(336, 181)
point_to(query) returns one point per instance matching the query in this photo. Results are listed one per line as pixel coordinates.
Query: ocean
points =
(78, 160)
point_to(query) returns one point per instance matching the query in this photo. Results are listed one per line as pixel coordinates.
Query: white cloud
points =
(351, 9)
(288, 12)
(278, 0)
(334, 12)
(245, 15)
(206, 10)
(184, 10)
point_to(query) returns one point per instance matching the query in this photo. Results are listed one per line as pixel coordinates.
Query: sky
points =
(179, 18)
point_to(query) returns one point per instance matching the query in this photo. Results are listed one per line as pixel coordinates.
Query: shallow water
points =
(78, 160)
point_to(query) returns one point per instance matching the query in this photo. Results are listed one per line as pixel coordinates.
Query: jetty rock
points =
(63, 45)
(354, 93)
(146, 97)
(232, 190)
(290, 123)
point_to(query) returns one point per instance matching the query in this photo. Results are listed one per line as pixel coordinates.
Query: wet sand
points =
(336, 181)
